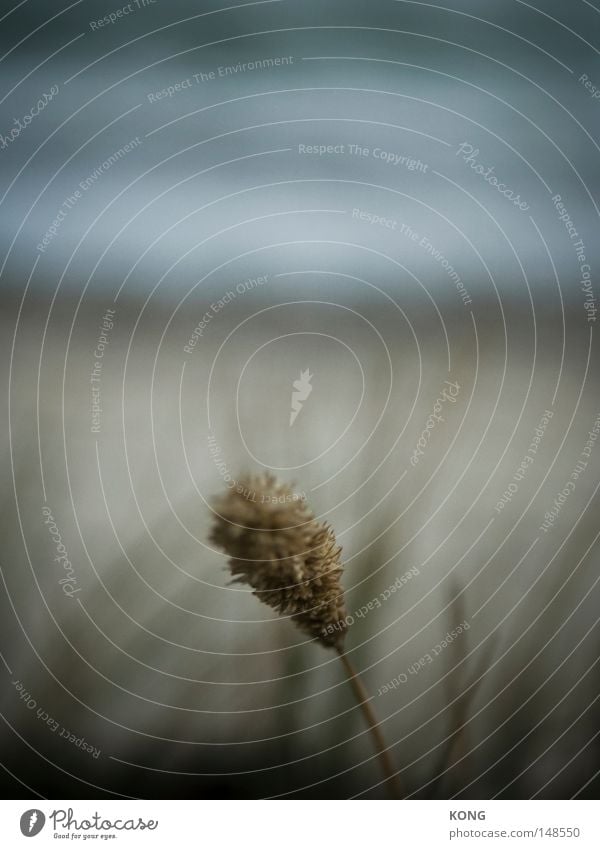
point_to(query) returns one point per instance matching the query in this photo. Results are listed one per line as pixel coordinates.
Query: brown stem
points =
(362, 697)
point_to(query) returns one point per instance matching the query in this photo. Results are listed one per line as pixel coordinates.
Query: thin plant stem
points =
(362, 697)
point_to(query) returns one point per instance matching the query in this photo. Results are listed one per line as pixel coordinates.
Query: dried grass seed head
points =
(276, 546)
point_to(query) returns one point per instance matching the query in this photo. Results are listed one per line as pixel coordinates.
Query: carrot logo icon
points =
(32, 822)
(301, 390)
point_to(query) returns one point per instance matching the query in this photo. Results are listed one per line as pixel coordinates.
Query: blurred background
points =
(202, 201)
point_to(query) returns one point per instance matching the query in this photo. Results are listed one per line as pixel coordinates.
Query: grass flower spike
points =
(291, 561)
